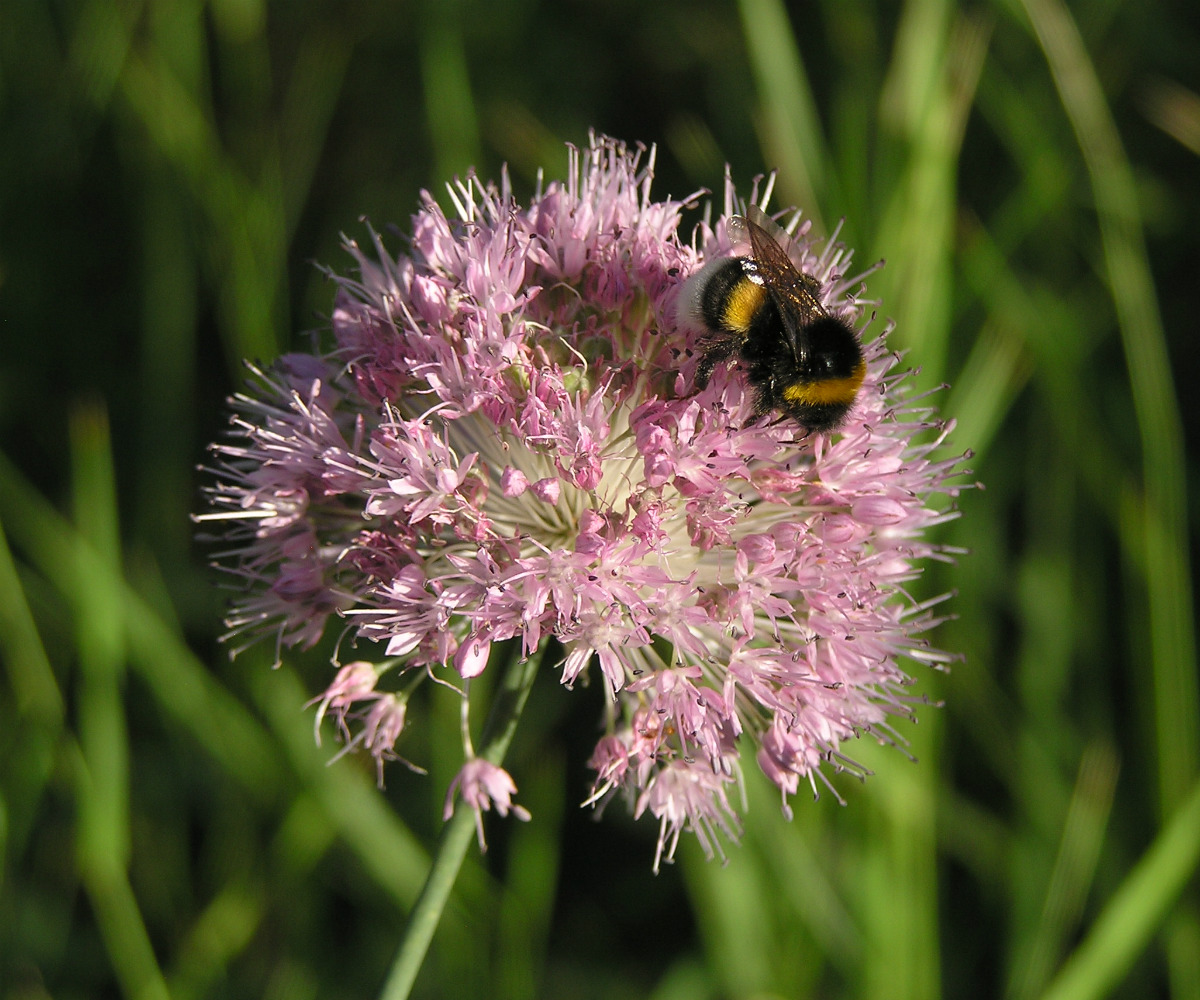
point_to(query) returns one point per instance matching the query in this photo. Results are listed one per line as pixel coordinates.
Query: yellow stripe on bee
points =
(743, 301)
(826, 391)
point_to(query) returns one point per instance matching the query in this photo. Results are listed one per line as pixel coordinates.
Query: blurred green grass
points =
(169, 171)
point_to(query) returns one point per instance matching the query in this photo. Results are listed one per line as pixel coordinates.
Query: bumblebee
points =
(767, 313)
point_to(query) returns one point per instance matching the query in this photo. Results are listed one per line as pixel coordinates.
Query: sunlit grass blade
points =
(449, 102)
(693, 144)
(1135, 911)
(188, 692)
(534, 863)
(249, 217)
(122, 928)
(99, 642)
(38, 696)
(1155, 399)
(807, 887)
(736, 921)
(97, 51)
(1074, 870)
(902, 958)
(102, 764)
(1175, 110)
(308, 111)
(181, 682)
(33, 718)
(220, 932)
(792, 137)
(526, 144)
(989, 383)
(933, 85)
(1163, 531)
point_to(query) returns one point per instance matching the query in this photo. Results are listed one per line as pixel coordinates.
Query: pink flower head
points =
(509, 444)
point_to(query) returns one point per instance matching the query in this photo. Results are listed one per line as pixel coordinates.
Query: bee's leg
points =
(714, 354)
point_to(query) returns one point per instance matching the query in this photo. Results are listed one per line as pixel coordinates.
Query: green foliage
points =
(167, 172)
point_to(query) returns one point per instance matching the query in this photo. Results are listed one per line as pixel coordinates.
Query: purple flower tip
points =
(483, 785)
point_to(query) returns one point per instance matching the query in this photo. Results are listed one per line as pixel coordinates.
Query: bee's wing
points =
(795, 294)
(773, 229)
(738, 229)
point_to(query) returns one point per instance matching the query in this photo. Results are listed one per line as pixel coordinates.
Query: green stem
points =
(456, 835)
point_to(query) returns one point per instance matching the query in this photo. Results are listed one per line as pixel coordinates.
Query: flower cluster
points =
(506, 445)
